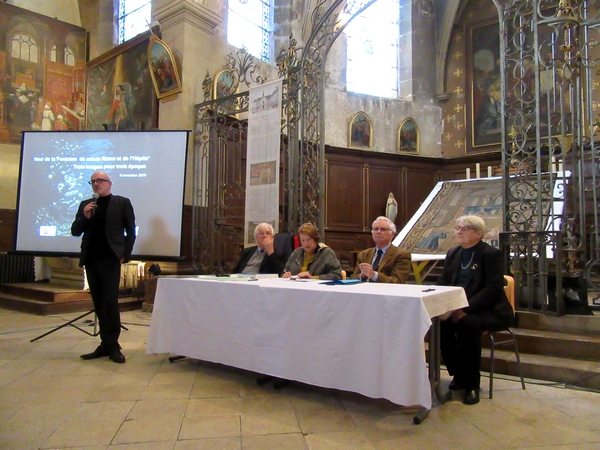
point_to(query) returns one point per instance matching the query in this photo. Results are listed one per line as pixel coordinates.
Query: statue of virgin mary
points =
(391, 207)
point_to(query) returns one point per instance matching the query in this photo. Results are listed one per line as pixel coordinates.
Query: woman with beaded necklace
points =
(312, 259)
(479, 269)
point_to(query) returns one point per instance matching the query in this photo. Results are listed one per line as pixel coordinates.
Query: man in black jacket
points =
(264, 257)
(107, 223)
(479, 269)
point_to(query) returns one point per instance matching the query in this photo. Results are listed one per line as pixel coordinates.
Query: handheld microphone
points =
(95, 202)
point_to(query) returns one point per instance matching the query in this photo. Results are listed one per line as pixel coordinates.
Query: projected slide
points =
(146, 166)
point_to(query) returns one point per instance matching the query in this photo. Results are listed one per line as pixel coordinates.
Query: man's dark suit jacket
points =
(273, 263)
(119, 217)
(394, 266)
(485, 280)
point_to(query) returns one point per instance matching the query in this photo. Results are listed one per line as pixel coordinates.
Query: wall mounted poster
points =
(262, 158)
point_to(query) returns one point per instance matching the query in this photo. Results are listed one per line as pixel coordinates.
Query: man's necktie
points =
(377, 259)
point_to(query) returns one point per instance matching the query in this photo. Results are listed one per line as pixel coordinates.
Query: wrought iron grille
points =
(220, 131)
(549, 52)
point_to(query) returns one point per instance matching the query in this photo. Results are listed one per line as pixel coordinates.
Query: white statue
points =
(391, 208)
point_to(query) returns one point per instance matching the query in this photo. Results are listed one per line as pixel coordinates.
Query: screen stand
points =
(72, 323)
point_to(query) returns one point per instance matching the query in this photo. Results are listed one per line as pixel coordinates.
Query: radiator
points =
(16, 269)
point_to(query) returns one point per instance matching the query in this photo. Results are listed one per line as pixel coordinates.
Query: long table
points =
(366, 338)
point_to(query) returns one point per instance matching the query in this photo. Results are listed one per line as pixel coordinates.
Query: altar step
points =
(563, 350)
(47, 298)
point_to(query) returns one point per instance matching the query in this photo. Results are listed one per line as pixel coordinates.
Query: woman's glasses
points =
(463, 228)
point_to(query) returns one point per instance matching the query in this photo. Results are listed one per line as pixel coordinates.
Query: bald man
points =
(107, 223)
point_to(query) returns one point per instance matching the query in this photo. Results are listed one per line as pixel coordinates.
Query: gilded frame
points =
(225, 84)
(163, 69)
(408, 138)
(360, 131)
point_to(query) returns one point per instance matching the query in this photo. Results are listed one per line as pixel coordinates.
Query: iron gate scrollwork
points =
(549, 52)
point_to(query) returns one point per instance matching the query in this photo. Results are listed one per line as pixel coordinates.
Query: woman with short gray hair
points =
(479, 269)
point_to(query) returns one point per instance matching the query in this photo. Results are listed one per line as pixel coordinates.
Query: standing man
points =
(261, 258)
(384, 263)
(107, 223)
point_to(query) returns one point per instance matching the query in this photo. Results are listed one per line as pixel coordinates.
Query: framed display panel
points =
(163, 69)
(360, 131)
(120, 93)
(430, 232)
(408, 137)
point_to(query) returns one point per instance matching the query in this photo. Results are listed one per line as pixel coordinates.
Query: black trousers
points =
(103, 277)
(461, 345)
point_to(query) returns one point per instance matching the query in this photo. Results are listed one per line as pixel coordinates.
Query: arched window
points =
(372, 50)
(249, 25)
(69, 58)
(134, 17)
(23, 46)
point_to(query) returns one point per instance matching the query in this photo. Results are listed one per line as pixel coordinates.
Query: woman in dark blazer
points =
(479, 269)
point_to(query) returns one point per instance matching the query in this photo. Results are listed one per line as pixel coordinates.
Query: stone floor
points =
(51, 399)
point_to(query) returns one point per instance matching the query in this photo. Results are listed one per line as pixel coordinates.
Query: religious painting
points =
(360, 131)
(42, 73)
(408, 137)
(485, 91)
(431, 230)
(120, 94)
(225, 84)
(163, 70)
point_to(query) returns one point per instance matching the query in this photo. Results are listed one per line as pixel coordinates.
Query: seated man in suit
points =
(261, 258)
(384, 263)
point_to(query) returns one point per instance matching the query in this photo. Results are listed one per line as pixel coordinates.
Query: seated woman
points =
(312, 259)
(479, 269)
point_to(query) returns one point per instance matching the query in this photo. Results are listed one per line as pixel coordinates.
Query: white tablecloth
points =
(366, 338)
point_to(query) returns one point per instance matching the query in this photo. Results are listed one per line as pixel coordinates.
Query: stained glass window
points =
(249, 26)
(372, 50)
(134, 17)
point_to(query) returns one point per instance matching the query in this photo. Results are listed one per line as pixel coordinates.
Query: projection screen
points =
(146, 166)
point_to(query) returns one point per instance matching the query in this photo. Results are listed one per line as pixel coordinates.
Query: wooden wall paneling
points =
(344, 204)
(419, 183)
(8, 224)
(384, 179)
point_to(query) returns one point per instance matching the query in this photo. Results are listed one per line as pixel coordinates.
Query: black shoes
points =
(119, 358)
(113, 355)
(98, 353)
(471, 397)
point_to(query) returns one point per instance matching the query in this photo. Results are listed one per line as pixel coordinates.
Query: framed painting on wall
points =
(360, 131)
(485, 95)
(120, 94)
(225, 84)
(163, 70)
(408, 137)
(42, 73)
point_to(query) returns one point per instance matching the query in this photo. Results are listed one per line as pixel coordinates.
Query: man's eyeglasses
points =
(382, 229)
(98, 181)
(463, 228)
